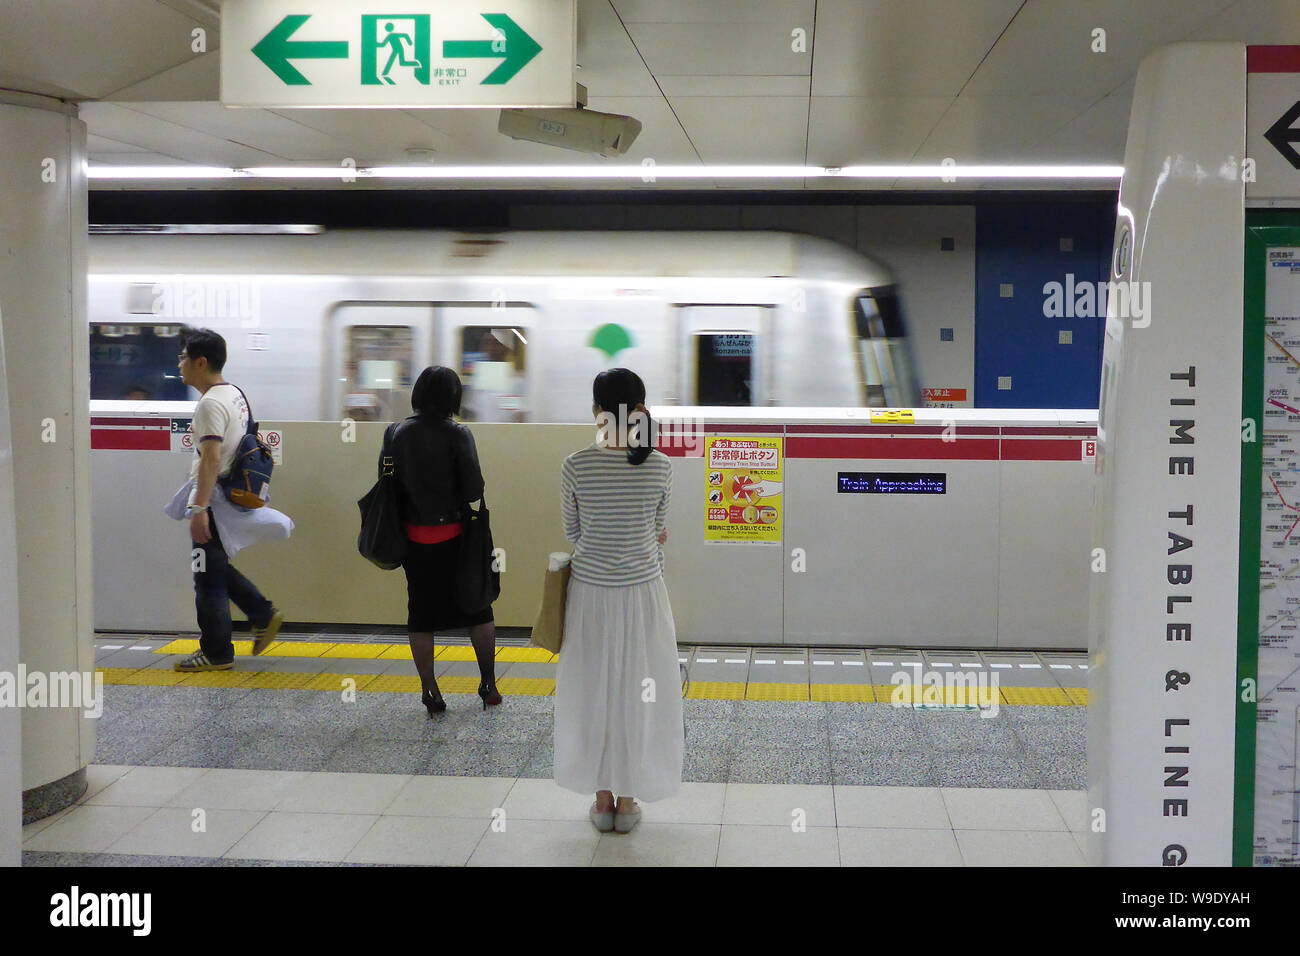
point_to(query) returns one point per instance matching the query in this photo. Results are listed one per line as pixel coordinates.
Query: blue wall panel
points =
(1020, 245)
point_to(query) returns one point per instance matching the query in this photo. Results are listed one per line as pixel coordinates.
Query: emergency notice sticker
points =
(742, 486)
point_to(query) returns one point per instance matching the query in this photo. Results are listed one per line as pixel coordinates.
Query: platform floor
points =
(288, 771)
(135, 816)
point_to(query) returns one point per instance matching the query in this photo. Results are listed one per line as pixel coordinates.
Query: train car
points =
(337, 324)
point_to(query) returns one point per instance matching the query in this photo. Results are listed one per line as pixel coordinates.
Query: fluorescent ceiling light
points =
(647, 173)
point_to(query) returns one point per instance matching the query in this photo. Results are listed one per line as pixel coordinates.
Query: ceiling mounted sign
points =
(404, 54)
(1273, 123)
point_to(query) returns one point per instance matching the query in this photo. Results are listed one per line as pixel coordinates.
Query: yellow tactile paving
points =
(154, 677)
(336, 682)
(356, 651)
(231, 678)
(296, 649)
(843, 693)
(526, 655)
(529, 686)
(538, 686)
(395, 684)
(716, 690)
(280, 680)
(459, 685)
(761, 691)
(1035, 696)
(178, 646)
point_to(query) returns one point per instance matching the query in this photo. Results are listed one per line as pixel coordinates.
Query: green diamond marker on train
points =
(611, 339)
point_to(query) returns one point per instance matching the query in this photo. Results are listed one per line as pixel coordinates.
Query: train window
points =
(886, 365)
(494, 373)
(724, 368)
(135, 361)
(377, 372)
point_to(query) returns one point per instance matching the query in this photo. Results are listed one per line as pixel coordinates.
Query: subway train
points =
(327, 325)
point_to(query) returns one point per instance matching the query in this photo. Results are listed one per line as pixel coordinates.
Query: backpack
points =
(249, 483)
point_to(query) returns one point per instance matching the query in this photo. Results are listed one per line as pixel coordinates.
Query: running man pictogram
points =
(394, 41)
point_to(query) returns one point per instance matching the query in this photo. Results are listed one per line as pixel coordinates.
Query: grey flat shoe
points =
(604, 822)
(626, 822)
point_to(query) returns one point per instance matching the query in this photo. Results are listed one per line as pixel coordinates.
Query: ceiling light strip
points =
(646, 173)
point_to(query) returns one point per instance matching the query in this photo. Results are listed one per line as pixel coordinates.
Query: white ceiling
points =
(712, 81)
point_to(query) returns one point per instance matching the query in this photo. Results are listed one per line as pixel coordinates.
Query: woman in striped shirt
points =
(618, 702)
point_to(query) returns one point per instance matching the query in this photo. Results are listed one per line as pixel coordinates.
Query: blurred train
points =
(329, 325)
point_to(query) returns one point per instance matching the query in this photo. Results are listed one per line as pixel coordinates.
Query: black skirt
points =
(431, 588)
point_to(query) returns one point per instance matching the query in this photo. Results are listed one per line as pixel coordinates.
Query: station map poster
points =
(743, 480)
(1276, 770)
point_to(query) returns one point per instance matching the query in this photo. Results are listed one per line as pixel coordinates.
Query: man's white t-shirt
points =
(223, 412)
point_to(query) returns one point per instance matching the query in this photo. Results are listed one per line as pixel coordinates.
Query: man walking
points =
(220, 421)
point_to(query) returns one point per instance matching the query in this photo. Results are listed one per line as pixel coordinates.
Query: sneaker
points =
(263, 636)
(198, 661)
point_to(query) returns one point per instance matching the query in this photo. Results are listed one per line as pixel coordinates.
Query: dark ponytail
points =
(619, 391)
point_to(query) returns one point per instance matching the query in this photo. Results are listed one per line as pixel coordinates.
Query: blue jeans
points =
(214, 588)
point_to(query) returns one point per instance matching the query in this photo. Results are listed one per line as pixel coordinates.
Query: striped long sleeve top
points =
(613, 512)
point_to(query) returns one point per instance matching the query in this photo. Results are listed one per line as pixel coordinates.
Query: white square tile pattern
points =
(501, 821)
(989, 809)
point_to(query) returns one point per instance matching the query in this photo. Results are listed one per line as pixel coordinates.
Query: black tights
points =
(482, 636)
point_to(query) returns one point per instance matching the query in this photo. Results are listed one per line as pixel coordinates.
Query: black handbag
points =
(478, 582)
(382, 541)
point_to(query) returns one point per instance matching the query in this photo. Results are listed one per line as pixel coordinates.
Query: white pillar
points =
(43, 311)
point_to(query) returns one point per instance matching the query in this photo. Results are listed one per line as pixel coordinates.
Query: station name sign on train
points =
(407, 54)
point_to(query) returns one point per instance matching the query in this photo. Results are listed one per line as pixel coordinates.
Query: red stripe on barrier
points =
(970, 449)
(140, 440)
(899, 429)
(164, 423)
(1042, 450)
(1078, 431)
(1273, 59)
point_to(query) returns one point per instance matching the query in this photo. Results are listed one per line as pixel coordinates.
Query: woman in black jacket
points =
(437, 471)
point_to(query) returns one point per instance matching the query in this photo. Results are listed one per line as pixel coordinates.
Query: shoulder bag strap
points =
(252, 419)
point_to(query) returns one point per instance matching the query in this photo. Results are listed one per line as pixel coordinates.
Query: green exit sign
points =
(366, 53)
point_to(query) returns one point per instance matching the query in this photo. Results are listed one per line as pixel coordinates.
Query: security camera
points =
(583, 130)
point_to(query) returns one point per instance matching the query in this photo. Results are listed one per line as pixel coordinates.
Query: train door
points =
(488, 346)
(723, 355)
(378, 349)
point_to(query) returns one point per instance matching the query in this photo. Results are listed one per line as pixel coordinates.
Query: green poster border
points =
(1265, 228)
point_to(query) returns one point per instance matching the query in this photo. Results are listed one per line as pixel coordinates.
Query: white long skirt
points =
(618, 692)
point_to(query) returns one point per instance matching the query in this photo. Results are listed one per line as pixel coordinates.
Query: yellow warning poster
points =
(743, 478)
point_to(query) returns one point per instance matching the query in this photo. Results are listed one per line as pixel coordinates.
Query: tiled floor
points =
(199, 775)
(745, 741)
(194, 816)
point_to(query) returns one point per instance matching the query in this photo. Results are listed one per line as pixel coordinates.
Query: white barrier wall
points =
(993, 562)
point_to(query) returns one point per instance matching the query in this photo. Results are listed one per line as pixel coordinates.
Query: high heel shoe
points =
(489, 694)
(434, 705)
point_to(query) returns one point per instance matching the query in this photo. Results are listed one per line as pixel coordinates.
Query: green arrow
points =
(276, 50)
(520, 49)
